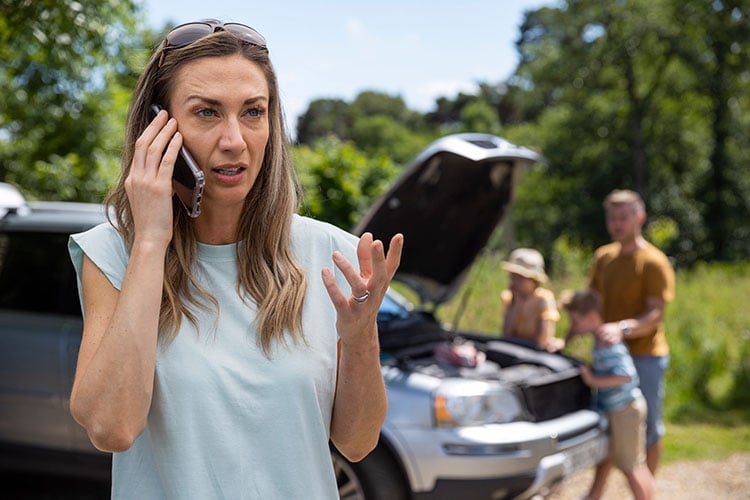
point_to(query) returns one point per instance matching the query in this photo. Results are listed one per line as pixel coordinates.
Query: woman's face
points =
(221, 107)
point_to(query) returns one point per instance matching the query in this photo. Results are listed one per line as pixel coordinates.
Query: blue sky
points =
(419, 50)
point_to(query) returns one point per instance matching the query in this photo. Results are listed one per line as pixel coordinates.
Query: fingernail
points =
(337, 255)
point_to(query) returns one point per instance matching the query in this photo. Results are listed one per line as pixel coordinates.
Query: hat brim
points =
(526, 273)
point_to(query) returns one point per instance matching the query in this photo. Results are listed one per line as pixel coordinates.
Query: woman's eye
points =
(206, 112)
(255, 112)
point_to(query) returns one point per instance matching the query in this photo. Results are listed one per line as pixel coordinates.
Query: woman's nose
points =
(231, 136)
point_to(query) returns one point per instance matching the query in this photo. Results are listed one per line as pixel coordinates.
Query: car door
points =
(39, 314)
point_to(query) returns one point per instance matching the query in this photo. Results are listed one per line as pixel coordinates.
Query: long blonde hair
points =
(269, 276)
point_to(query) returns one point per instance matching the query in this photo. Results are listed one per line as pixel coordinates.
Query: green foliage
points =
(64, 65)
(324, 117)
(480, 116)
(641, 94)
(708, 327)
(339, 182)
(715, 437)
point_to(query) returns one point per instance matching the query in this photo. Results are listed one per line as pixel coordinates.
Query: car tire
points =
(376, 477)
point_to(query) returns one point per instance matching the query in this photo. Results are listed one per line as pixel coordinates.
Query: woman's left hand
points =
(357, 313)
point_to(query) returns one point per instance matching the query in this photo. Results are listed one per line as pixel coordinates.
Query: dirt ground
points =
(700, 480)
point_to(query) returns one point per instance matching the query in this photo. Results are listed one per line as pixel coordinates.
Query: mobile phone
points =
(187, 178)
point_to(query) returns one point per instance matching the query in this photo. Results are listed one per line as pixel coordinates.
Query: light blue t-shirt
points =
(227, 422)
(615, 360)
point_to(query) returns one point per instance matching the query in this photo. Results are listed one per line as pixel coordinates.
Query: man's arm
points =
(633, 328)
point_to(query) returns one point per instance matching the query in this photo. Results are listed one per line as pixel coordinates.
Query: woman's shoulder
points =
(104, 246)
(102, 235)
(310, 229)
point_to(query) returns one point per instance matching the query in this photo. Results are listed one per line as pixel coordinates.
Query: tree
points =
(606, 98)
(324, 117)
(339, 182)
(65, 64)
(715, 45)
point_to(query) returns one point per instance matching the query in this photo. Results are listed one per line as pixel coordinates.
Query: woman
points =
(214, 362)
(530, 310)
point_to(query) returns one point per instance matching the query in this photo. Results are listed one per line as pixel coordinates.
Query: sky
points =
(418, 50)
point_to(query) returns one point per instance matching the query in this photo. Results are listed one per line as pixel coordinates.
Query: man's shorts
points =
(651, 371)
(627, 435)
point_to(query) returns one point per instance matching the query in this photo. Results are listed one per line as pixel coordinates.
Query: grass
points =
(707, 406)
(710, 440)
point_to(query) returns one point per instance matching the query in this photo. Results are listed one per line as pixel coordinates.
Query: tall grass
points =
(708, 329)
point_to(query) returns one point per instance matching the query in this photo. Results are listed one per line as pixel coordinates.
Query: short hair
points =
(625, 197)
(582, 301)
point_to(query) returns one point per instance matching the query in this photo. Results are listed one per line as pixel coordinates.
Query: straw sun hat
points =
(527, 262)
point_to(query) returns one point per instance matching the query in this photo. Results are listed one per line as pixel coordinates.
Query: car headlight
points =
(464, 403)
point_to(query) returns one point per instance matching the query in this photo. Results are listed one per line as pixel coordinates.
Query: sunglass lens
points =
(246, 33)
(187, 34)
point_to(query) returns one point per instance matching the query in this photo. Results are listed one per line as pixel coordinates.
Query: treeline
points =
(651, 95)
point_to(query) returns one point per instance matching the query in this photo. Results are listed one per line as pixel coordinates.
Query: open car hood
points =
(447, 204)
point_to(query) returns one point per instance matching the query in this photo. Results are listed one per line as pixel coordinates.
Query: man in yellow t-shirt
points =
(636, 281)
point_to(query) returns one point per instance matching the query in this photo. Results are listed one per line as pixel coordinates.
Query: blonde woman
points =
(221, 353)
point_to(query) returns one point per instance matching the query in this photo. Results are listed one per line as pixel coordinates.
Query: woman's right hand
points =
(149, 182)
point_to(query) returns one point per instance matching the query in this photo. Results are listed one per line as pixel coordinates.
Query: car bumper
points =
(517, 460)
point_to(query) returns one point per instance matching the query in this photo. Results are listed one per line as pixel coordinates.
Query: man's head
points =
(626, 214)
(584, 309)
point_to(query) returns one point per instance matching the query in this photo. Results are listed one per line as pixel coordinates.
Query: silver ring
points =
(363, 298)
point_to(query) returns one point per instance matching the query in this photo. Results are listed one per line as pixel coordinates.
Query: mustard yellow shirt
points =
(625, 282)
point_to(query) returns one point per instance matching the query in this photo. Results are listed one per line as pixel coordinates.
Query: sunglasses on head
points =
(188, 33)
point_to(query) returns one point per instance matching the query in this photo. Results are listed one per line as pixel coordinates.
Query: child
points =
(615, 380)
(530, 310)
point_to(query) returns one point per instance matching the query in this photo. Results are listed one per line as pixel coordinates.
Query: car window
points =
(36, 274)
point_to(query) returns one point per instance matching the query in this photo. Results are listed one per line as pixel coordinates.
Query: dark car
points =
(512, 421)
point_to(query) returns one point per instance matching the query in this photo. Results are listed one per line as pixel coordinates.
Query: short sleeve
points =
(660, 279)
(103, 245)
(547, 305)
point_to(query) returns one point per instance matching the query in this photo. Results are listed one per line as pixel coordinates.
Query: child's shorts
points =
(627, 435)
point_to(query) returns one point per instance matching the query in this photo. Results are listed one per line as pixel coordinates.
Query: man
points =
(636, 280)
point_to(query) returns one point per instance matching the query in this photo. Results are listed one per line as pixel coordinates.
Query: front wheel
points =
(376, 477)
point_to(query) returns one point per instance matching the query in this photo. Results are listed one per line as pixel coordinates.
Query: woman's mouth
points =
(229, 171)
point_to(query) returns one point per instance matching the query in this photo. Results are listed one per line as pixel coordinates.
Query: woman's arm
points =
(360, 403)
(114, 376)
(115, 372)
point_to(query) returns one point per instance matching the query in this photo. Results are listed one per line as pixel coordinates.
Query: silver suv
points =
(471, 416)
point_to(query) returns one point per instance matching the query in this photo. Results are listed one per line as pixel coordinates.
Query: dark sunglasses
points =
(188, 33)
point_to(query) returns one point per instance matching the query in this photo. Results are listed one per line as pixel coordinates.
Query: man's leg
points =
(653, 456)
(651, 371)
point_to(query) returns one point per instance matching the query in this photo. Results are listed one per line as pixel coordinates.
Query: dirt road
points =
(701, 480)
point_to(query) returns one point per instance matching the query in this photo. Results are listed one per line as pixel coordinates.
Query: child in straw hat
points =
(530, 310)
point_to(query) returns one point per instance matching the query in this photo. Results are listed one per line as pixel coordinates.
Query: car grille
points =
(555, 395)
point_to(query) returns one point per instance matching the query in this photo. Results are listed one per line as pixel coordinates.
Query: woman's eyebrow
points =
(217, 103)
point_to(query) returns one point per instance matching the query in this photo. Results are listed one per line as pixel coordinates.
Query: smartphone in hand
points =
(187, 178)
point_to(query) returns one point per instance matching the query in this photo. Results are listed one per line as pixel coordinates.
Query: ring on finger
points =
(363, 298)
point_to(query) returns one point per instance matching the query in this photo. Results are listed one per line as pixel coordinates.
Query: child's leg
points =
(641, 482)
(600, 479)
(628, 439)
